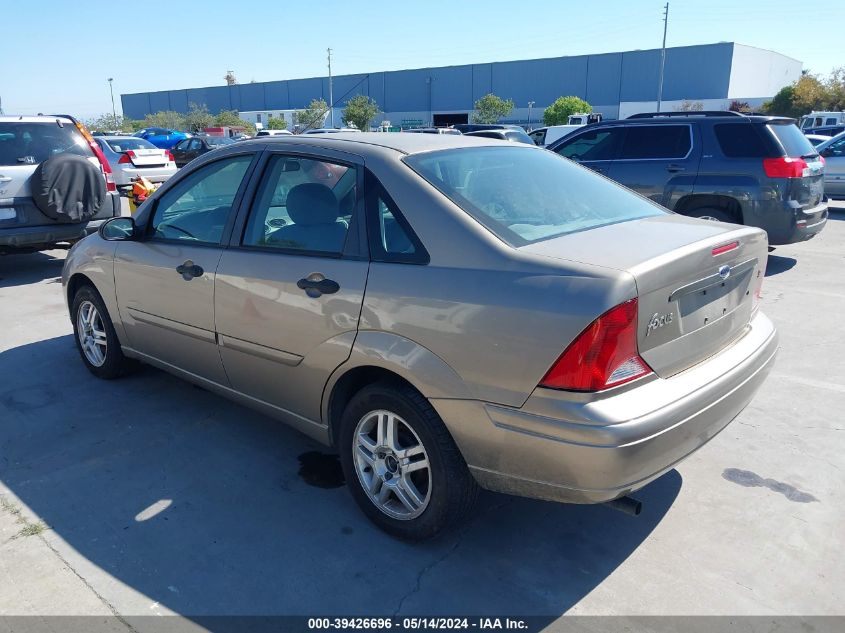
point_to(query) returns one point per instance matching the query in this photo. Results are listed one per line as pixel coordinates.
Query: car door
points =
(165, 281)
(834, 168)
(595, 148)
(289, 288)
(179, 151)
(659, 162)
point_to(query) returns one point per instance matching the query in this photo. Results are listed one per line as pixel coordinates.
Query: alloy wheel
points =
(92, 334)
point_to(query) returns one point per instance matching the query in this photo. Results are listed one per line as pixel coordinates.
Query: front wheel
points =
(95, 337)
(401, 464)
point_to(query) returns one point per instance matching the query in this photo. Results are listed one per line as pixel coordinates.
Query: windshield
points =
(33, 143)
(130, 142)
(525, 195)
(218, 140)
(793, 141)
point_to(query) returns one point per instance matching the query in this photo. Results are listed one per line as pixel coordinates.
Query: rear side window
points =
(793, 141)
(656, 141)
(740, 140)
(33, 143)
(830, 121)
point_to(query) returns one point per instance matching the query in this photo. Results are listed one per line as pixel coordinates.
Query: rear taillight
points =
(124, 159)
(98, 152)
(604, 355)
(169, 155)
(785, 167)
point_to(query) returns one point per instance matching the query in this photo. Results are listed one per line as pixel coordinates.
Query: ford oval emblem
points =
(724, 272)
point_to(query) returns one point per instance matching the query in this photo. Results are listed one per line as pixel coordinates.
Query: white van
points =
(547, 135)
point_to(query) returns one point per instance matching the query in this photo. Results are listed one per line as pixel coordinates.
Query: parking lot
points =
(148, 496)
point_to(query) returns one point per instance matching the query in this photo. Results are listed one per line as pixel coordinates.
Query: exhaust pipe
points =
(626, 504)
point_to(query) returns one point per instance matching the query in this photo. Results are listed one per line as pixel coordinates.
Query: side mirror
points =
(118, 229)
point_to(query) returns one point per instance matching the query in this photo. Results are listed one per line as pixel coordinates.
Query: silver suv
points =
(55, 184)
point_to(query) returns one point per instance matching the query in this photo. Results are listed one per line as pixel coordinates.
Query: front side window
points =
(656, 141)
(836, 149)
(197, 208)
(602, 144)
(303, 205)
(524, 195)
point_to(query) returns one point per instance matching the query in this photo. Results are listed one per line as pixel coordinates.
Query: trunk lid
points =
(147, 157)
(696, 281)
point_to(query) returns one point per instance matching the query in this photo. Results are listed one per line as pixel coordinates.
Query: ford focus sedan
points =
(447, 312)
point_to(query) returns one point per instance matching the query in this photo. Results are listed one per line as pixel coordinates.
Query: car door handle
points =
(189, 270)
(5, 179)
(675, 168)
(316, 284)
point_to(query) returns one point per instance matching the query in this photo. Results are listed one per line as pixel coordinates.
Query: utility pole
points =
(530, 105)
(113, 111)
(662, 56)
(331, 101)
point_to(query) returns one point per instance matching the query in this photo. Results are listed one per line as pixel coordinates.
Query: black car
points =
(186, 151)
(755, 170)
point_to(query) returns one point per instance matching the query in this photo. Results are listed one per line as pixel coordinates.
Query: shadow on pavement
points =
(778, 264)
(195, 503)
(28, 268)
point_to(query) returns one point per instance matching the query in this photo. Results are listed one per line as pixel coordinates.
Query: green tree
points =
(359, 111)
(277, 123)
(105, 122)
(690, 106)
(314, 115)
(558, 113)
(198, 118)
(807, 94)
(166, 119)
(231, 118)
(490, 108)
(836, 89)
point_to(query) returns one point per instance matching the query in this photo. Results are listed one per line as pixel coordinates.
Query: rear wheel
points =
(712, 213)
(95, 337)
(402, 466)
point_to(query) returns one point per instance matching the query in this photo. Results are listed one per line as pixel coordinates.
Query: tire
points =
(441, 495)
(712, 213)
(95, 337)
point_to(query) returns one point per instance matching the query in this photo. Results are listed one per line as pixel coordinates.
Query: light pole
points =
(331, 100)
(662, 56)
(530, 105)
(113, 111)
(429, 80)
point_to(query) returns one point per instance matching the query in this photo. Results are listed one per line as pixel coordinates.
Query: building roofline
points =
(424, 68)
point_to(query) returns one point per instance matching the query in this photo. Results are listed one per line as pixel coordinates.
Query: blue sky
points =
(61, 61)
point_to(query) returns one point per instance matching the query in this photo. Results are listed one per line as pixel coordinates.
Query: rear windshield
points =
(519, 136)
(218, 140)
(525, 195)
(125, 144)
(792, 139)
(33, 143)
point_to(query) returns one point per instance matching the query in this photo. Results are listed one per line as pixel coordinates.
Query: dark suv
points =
(755, 170)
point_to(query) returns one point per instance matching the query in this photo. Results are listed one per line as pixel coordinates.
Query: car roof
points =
(830, 141)
(675, 117)
(40, 118)
(358, 142)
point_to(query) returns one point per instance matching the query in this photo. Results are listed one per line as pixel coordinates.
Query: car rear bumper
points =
(578, 448)
(787, 225)
(125, 175)
(29, 237)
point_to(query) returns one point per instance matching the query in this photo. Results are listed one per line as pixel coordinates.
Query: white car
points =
(131, 157)
(547, 135)
(273, 133)
(833, 151)
(817, 139)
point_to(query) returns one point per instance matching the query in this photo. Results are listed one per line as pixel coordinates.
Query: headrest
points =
(312, 203)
